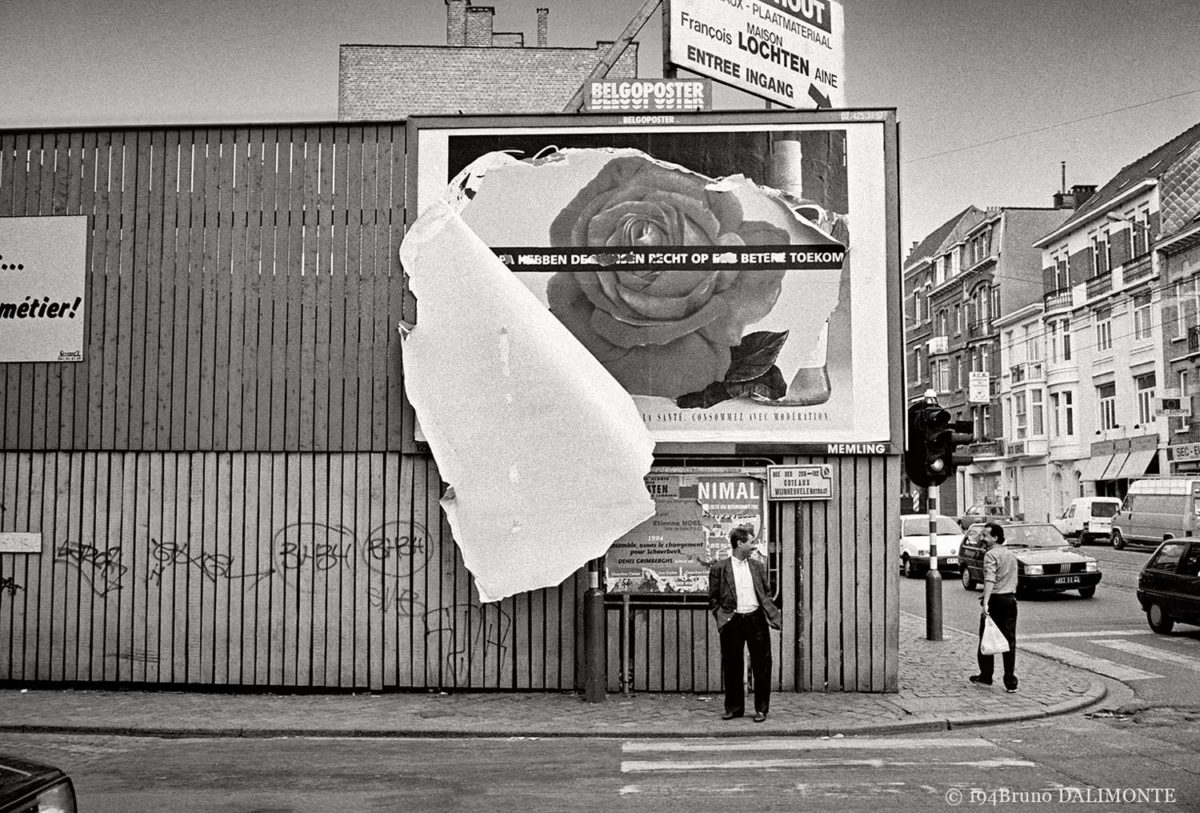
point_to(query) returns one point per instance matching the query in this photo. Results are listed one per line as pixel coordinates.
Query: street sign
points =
(799, 482)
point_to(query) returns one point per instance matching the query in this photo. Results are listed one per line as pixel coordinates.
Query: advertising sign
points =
(1173, 407)
(979, 387)
(705, 262)
(799, 482)
(695, 510)
(647, 95)
(790, 52)
(43, 262)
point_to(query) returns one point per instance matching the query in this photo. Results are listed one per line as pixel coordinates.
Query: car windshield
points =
(1033, 536)
(1105, 509)
(916, 526)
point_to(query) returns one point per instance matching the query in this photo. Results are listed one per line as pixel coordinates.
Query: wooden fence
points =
(222, 487)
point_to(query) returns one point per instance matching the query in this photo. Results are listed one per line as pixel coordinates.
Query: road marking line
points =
(1151, 653)
(791, 744)
(637, 766)
(1072, 657)
(1041, 635)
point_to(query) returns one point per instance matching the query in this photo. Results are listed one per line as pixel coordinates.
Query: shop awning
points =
(1136, 465)
(1114, 466)
(1093, 469)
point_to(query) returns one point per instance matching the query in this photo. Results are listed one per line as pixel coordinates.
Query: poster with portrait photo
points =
(730, 274)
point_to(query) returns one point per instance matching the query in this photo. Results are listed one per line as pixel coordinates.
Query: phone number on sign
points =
(981, 797)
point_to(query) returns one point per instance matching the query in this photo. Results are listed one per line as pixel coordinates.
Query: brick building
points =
(478, 70)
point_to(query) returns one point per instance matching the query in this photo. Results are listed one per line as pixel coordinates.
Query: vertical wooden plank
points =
(393, 429)
(151, 283)
(366, 290)
(268, 425)
(153, 595)
(238, 283)
(8, 163)
(231, 478)
(8, 495)
(389, 478)
(96, 294)
(816, 548)
(71, 488)
(215, 322)
(168, 288)
(221, 277)
(410, 514)
(381, 349)
(179, 501)
(282, 400)
(282, 668)
(189, 371)
(193, 545)
(48, 508)
(250, 564)
(891, 588)
(64, 436)
(132, 559)
(295, 281)
(22, 603)
(268, 563)
(348, 245)
(358, 496)
(338, 604)
(324, 568)
(789, 580)
(252, 271)
(135, 273)
(311, 273)
(100, 584)
(114, 424)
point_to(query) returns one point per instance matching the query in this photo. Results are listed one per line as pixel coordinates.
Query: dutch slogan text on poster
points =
(791, 52)
(43, 261)
(694, 512)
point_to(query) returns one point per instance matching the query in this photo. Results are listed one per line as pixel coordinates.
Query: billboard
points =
(43, 267)
(695, 509)
(735, 273)
(790, 52)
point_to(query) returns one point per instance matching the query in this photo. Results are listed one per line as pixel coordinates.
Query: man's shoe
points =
(760, 716)
(1010, 686)
(979, 680)
(729, 715)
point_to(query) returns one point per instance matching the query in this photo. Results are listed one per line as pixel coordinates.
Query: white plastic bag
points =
(993, 641)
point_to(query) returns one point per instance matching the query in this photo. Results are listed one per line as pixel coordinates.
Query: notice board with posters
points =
(737, 273)
(695, 509)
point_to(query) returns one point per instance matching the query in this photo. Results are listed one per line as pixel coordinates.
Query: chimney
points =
(456, 22)
(1081, 193)
(543, 27)
(479, 26)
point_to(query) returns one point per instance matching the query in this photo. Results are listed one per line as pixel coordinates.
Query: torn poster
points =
(543, 451)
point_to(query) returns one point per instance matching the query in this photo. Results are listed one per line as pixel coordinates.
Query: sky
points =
(991, 97)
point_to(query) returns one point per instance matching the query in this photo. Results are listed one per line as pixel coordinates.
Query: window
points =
(1033, 343)
(1063, 414)
(981, 417)
(1141, 316)
(940, 370)
(1103, 319)
(1101, 256)
(995, 301)
(1144, 386)
(1052, 341)
(1066, 339)
(942, 324)
(1185, 397)
(1020, 415)
(918, 370)
(958, 323)
(1141, 230)
(1061, 266)
(1106, 398)
(1036, 417)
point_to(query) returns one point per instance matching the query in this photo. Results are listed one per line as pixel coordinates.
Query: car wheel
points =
(906, 568)
(1118, 540)
(1087, 592)
(968, 583)
(1077, 541)
(1158, 619)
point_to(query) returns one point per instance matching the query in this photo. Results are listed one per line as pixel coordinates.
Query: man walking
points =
(742, 606)
(1000, 602)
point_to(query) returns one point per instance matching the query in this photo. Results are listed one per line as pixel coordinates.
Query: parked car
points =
(1156, 509)
(1045, 561)
(1169, 585)
(914, 544)
(984, 512)
(1088, 519)
(28, 787)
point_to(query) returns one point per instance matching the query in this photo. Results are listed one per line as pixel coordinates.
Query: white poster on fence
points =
(43, 265)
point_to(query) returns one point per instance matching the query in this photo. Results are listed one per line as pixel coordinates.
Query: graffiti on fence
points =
(468, 634)
(212, 566)
(100, 568)
(8, 584)
(403, 601)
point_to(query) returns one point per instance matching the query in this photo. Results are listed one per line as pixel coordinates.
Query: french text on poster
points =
(43, 263)
(799, 482)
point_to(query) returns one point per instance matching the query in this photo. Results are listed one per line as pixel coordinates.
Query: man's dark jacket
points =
(722, 592)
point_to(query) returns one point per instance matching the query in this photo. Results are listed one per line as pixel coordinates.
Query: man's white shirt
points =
(747, 601)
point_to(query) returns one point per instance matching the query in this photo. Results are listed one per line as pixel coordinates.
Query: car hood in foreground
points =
(19, 775)
(1047, 556)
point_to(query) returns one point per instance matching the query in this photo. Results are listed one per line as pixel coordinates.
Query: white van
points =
(1157, 508)
(1088, 519)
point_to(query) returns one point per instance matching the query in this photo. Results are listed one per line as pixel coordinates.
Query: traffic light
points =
(932, 453)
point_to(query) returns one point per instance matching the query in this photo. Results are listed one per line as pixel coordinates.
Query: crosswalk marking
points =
(796, 744)
(642, 766)
(1086, 634)
(1150, 652)
(1072, 657)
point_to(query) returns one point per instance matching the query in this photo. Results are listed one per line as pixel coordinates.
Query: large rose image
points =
(660, 332)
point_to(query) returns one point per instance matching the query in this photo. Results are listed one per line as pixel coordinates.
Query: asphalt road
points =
(1034, 766)
(1106, 634)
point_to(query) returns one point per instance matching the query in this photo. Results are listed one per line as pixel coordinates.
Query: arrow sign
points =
(821, 99)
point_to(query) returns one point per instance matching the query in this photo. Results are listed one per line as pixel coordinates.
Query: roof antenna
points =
(1064, 178)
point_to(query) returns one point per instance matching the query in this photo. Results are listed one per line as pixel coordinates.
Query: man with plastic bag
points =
(999, 604)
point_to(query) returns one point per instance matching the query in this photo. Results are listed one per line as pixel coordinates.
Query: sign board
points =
(20, 543)
(1183, 452)
(799, 482)
(739, 316)
(789, 52)
(647, 95)
(1173, 407)
(43, 264)
(979, 388)
(695, 510)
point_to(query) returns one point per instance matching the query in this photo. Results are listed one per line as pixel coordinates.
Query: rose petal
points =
(653, 305)
(683, 366)
(749, 299)
(571, 307)
(628, 334)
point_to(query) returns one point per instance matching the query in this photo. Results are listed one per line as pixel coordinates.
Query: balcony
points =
(1057, 300)
(986, 449)
(978, 328)
(1027, 371)
(1137, 269)
(1098, 285)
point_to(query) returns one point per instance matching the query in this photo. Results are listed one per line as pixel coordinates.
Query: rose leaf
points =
(711, 395)
(754, 356)
(769, 386)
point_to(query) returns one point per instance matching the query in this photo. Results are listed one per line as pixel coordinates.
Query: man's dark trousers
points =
(1003, 610)
(749, 631)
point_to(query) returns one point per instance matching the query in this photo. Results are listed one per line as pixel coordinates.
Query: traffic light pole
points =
(933, 577)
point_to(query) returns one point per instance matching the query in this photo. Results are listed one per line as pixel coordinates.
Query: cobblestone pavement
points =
(934, 695)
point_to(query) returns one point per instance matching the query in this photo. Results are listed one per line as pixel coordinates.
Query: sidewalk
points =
(934, 696)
